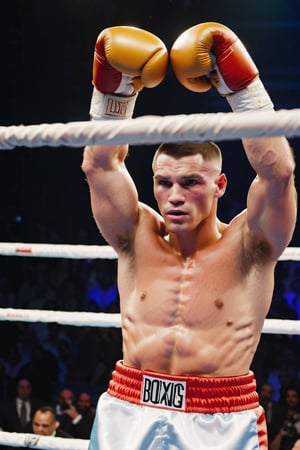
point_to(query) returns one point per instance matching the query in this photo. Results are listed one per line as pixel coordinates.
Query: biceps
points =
(114, 202)
(271, 211)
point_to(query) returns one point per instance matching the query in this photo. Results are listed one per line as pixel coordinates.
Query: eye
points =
(164, 183)
(190, 182)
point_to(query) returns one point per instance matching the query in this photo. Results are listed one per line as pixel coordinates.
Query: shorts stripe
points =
(202, 394)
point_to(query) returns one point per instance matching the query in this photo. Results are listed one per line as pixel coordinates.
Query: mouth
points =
(176, 214)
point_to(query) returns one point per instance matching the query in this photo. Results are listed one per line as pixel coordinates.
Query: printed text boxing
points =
(163, 393)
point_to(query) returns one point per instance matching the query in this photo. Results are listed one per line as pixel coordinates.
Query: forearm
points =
(271, 158)
(103, 158)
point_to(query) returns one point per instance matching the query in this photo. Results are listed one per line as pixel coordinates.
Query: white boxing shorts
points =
(144, 410)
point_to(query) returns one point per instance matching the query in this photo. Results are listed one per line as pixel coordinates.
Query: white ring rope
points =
(58, 250)
(41, 442)
(74, 318)
(155, 129)
(272, 326)
(80, 319)
(89, 251)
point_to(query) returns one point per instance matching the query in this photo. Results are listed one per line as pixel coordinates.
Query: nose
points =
(176, 196)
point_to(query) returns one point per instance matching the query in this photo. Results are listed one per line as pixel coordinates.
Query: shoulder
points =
(151, 218)
(235, 228)
(149, 223)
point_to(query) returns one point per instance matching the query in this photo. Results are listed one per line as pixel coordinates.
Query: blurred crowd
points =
(53, 355)
(62, 368)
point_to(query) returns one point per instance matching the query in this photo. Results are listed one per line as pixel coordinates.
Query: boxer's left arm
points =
(216, 57)
(126, 59)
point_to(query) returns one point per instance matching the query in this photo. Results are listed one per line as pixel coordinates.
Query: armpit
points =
(124, 245)
(254, 254)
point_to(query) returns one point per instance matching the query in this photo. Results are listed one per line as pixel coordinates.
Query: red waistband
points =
(184, 393)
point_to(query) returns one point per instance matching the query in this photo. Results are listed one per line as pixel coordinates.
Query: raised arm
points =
(271, 203)
(125, 60)
(214, 56)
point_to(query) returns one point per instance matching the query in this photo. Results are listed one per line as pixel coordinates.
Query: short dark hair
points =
(45, 409)
(209, 151)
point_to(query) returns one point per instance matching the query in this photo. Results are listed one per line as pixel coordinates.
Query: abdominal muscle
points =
(179, 350)
(198, 318)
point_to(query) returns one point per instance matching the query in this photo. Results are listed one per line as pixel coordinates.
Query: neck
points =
(186, 244)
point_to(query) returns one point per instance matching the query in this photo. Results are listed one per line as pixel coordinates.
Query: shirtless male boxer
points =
(194, 291)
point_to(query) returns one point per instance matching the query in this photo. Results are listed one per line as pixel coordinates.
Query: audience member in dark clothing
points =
(16, 413)
(274, 410)
(289, 431)
(75, 420)
(87, 411)
(45, 423)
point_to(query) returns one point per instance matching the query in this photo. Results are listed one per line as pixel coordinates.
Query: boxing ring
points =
(140, 131)
(155, 129)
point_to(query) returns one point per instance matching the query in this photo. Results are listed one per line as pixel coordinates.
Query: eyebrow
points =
(183, 177)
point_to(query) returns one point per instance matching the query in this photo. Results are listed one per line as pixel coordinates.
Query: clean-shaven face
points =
(44, 423)
(185, 189)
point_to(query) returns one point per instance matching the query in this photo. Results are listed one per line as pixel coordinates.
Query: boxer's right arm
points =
(210, 54)
(125, 60)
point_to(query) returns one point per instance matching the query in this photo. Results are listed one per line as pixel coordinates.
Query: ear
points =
(56, 424)
(221, 183)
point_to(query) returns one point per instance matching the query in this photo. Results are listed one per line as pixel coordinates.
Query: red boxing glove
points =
(125, 60)
(210, 54)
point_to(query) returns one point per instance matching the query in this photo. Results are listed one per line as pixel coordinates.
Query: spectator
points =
(289, 432)
(67, 413)
(87, 411)
(274, 410)
(45, 423)
(16, 413)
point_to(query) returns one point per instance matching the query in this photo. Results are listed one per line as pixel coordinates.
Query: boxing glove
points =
(126, 59)
(210, 54)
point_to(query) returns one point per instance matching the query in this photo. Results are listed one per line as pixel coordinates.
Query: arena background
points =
(47, 53)
(46, 65)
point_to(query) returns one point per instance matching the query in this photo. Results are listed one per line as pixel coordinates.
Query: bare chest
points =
(193, 293)
(182, 315)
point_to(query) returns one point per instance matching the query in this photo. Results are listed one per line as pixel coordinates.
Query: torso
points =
(199, 316)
